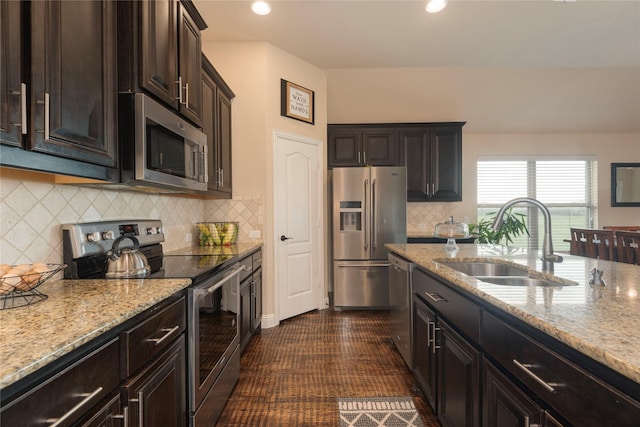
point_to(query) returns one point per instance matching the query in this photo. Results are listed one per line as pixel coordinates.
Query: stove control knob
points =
(153, 230)
(94, 237)
(108, 235)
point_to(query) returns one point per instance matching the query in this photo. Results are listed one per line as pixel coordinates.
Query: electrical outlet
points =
(254, 234)
(188, 237)
(422, 226)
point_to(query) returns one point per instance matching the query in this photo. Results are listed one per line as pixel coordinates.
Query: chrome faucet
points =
(548, 257)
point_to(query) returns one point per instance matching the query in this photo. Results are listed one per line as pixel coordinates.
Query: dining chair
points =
(628, 246)
(577, 243)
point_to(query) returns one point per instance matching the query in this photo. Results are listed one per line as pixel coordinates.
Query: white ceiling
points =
(467, 33)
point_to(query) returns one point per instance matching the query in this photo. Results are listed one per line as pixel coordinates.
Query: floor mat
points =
(378, 412)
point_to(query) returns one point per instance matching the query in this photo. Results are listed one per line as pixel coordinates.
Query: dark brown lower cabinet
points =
(156, 397)
(503, 403)
(424, 350)
(245, 313)
(458, 380)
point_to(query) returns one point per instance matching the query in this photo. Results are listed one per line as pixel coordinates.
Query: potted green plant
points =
(514, 225)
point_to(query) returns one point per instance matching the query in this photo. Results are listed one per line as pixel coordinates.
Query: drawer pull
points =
(124, 417)
(157, 341)
(87, 398)
(525, 368)
(435, 297)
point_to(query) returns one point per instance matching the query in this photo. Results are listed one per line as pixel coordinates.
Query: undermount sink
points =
(518, 281)
(499, 273)
(486, 269)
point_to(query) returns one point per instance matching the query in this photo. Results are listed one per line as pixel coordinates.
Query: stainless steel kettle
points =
(126, 262)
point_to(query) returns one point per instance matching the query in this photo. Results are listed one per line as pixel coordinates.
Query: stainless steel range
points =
(213, 302)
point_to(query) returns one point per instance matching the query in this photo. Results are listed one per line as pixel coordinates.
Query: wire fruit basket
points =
(18, 286)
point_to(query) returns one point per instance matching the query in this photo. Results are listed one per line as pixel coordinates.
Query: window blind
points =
(565, 186)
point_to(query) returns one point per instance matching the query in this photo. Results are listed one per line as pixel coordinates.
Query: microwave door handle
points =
(205, 166)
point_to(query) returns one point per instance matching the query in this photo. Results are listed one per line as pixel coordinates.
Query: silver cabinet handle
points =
(221, 177)
(358, 157)
(23, 108)
(364, 157)
(525, 368)
(435, 297)
(179, 83)
(87, 398)
(433, 189)
(186, 94)
(46, 103)
(431, 336)
(168, 331)
(124, 417)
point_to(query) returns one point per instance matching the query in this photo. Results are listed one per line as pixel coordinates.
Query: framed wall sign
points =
(296, 102)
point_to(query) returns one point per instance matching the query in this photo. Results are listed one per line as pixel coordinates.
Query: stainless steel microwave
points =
(158, 147)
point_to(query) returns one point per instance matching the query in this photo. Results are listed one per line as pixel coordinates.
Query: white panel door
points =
(298, 218)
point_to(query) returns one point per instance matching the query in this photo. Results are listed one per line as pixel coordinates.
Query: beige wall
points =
(253, 71)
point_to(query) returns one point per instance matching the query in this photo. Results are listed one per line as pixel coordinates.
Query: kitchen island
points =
(566, 346)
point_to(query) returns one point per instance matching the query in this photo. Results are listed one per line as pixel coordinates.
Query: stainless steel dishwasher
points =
(401, 323)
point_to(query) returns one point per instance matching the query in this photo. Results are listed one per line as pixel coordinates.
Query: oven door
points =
(169, 150)
(213, 330)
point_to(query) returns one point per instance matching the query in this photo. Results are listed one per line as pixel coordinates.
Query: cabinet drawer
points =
(152, 335)
(70, 393)
(571, 391)
(257, 260)
(248, 264)
(460, 311)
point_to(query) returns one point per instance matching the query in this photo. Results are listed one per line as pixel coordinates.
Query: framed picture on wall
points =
(296, 102)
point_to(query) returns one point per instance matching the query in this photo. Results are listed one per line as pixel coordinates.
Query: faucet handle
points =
(553, 258)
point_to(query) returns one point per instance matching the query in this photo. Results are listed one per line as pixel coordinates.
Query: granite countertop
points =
(600, 322)
(77, 311)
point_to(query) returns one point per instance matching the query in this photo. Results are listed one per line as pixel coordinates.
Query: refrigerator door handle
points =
(366, 229)
(374, 211)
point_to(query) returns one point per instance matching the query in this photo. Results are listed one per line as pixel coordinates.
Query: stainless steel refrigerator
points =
(369, 210)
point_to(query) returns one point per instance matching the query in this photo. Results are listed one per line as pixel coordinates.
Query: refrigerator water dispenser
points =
(350, 216)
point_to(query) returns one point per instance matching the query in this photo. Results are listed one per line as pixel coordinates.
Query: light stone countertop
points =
(600, 322)
(77, 311)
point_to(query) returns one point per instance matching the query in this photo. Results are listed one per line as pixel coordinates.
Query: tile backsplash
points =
(32, 212)
(423, 217)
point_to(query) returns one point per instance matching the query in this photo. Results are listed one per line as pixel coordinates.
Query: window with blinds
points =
(566, 187)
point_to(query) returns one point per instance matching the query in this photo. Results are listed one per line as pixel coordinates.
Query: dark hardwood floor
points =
(292, 375)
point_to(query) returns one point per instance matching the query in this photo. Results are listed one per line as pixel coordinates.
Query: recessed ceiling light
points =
(434, 6)
(260, 7)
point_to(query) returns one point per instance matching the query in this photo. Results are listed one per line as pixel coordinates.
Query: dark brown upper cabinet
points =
(432, 154)
(355, 145)
(216, 124)
(159, 45)
(59, 110)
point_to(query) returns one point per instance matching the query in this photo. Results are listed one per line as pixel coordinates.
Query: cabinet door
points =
(190, 63)
(12, 92)
(344, 147)
(157, 396)
(108, 415)
(458, 380)
(378, 147)
(256, 299)
(504, 404)
(209, 113)
(445, 163)
(425, 350)
(245, 313)
(224, 142)
(73, 80)
(159, 62)
(413, 148)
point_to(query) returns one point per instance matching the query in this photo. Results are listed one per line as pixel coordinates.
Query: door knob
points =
(283, 238)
